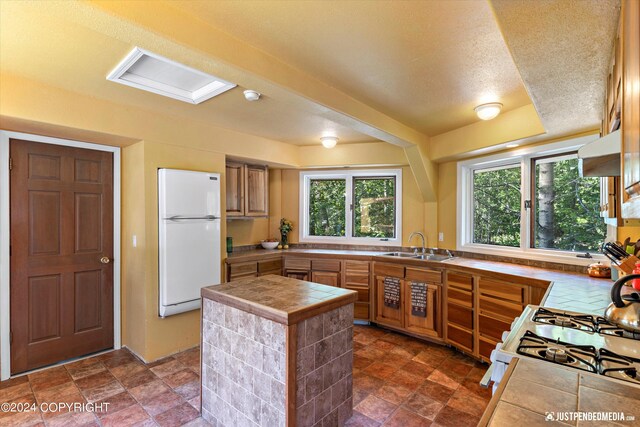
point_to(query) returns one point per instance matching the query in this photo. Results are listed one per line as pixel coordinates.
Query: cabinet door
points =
(385, 314)
(235, 189)
(242, 270)
(416, 320)
(357, 278)
(631, 109)
(329, 278)
(257, 190)
(459, 320)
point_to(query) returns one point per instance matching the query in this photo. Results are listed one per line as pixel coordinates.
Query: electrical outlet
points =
(134, 241)
(441, 237)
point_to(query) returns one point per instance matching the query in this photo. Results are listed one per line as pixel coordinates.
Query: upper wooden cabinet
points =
(247, 190)
(631, 109)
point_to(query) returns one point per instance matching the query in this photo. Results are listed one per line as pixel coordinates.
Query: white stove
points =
(585, 342)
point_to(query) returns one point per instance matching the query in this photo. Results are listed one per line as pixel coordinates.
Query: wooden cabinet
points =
(270, 267)
(413, 299)
(329, 278)
(297, 268)
(235, 189)
(460, 314)
(256, 191)
(499, 303)
(631, 109)
(241, 270)
(357, 277)
(247, 190)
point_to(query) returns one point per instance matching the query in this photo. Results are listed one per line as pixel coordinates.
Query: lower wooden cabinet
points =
(241, 270)
(419, 301)
(423, 323)
(329, 278)
(460, 317)
(386, 314)
(357, 277)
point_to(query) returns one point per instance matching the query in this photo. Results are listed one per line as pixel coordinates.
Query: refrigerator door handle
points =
(180, 217)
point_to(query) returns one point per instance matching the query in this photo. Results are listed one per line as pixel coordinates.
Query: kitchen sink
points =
(401, 254)
(429, 257)
(426, 257)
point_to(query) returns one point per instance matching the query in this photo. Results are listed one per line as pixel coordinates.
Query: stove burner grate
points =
(583, 322)
(581, 357)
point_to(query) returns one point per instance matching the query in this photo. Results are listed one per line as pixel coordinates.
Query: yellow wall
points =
(447, 194)
(413, 208)
(150, 140)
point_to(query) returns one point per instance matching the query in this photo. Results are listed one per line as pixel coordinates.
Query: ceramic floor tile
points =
(397, 380)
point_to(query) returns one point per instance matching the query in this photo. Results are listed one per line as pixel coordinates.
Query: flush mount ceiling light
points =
(251, 95)
(329, 141)
(488, 111)
(512, 145)
(154, 73)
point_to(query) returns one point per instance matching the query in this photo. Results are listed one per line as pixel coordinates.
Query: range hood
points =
(602, 156)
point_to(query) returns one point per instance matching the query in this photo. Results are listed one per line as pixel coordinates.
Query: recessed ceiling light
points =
(329, 141)
(154, 73)
(488, 111)
(251, 95)
(512, 145)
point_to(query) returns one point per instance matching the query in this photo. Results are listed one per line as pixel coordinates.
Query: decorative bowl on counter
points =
(599, 270)
(269, 244)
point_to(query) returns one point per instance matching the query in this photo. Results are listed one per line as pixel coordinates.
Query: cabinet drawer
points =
(361, 311)
(238, 276)
(460, 337)
(297, 263)
(357, 279)
(506, 291)
(460, 297)
(325, 264)
(363, 293)
(460, 315)
(389, 270)
(356, 267)
(243, 268)
(423, 275)
(486, 346)
(264, 266)
(506, 309)
(492, 328)
(460, 281)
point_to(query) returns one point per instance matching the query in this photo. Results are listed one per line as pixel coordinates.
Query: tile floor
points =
(398, 381)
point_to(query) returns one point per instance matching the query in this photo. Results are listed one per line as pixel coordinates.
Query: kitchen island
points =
(276, 351)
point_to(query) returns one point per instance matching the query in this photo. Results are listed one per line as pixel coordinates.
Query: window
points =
(353, 207)
(566, 213)
(530, 203)
(496, 206)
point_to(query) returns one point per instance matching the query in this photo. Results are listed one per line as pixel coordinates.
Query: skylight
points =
(154, 73)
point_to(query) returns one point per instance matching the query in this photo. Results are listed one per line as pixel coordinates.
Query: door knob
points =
(105, 260)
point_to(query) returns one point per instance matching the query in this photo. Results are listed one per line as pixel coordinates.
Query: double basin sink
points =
(426, 257)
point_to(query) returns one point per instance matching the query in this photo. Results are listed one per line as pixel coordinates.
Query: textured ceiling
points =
(562, 49)
(78, 59)
(424, 63)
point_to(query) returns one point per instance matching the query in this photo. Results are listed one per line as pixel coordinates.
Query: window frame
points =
(348, 176)
(525, 158)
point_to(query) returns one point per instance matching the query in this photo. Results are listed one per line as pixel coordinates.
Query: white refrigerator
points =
(189, 237)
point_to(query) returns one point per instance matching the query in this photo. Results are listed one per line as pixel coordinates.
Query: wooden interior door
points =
(61, 251)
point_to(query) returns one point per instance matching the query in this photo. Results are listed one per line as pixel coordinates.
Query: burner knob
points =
(514, 322)
(505, 334)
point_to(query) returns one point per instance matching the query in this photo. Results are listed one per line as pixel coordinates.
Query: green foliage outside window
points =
(374, 212)
(567, 213)
(327, 207)
(496, 207)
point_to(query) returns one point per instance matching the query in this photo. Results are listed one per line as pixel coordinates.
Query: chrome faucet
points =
(424, 241)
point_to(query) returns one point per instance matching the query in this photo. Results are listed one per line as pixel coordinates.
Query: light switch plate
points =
(441, 237)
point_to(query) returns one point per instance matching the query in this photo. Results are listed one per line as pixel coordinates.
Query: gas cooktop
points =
(584, 357)
(583, 322)
(581, 341)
